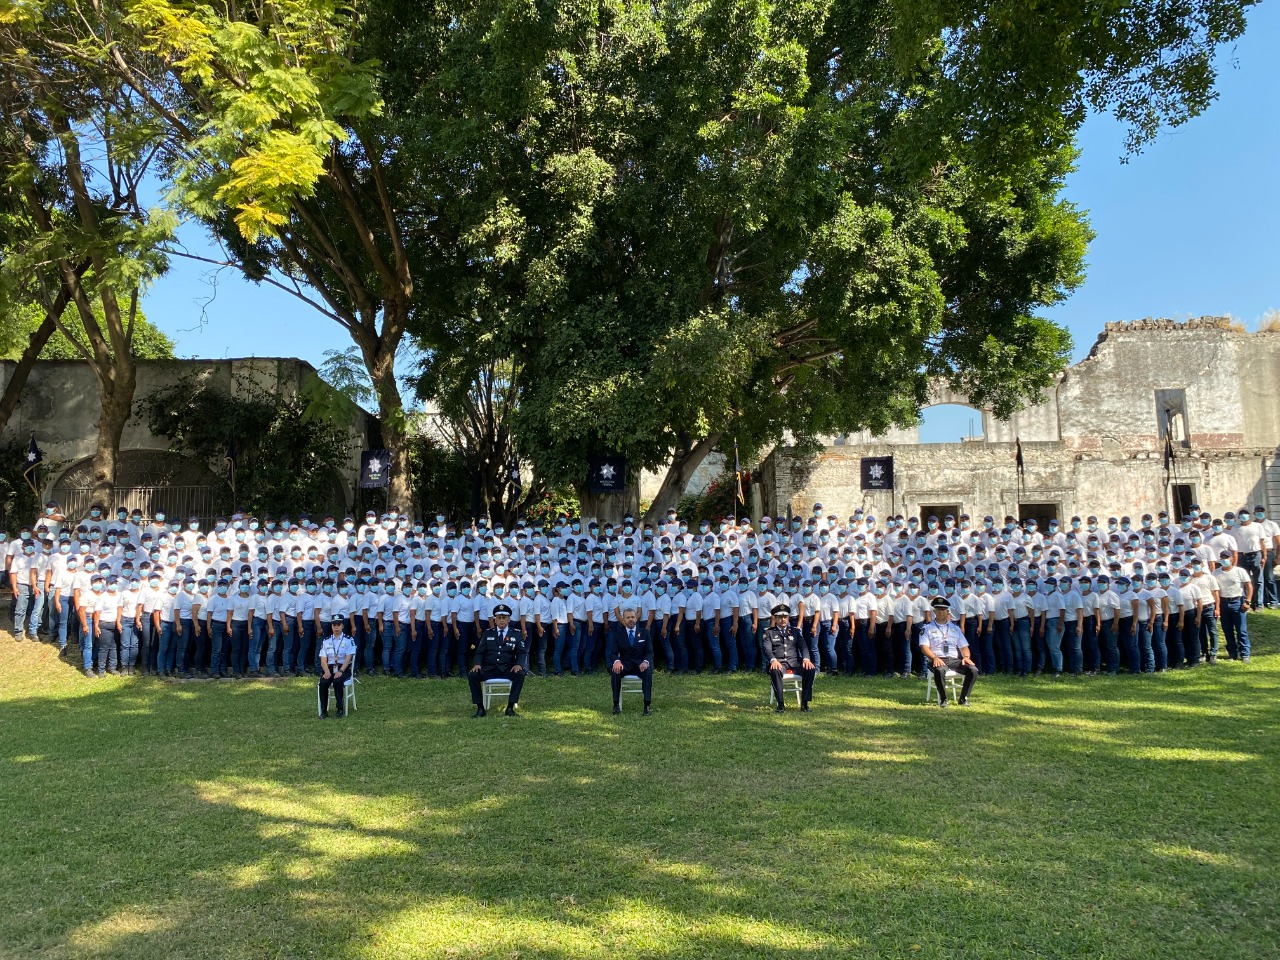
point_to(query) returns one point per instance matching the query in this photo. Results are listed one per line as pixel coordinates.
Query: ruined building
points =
(1094, 444)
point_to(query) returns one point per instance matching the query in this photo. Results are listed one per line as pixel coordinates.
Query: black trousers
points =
(336, 679)
(969, 671)
(476, 677)
(806, 680)
(633, 667)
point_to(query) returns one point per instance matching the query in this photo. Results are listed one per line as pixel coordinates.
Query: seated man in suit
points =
(785, 648)
(630, 650)
(500, 654)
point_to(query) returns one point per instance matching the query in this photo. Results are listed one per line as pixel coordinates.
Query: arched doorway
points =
(148, 480)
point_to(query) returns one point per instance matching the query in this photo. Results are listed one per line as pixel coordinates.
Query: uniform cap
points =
(940, 603)
(502, 610)
(781, 610)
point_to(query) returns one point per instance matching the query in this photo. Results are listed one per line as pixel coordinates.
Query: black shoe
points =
(341, 714)
(944, 704)
(324, 716)
(804, 707)
(617, 709)
(779, 708)
(510, 711)
(648, 711)
(963, 701)
(480, 712)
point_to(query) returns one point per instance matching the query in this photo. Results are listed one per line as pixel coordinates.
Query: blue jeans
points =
(258, 639)
(1128, 640)
(1110, 646)
(1235, 626)
(167, 650)
(729, 643)
(746, 644)
(1022, 645)
(1159, 654)
(1146, 653)
(827, 643)
(108, 658)
(711, 637)
(128, 643)
(1053, 642)
(434, 639)
(865, 642)
(63, 620)
(1209, 633)
(1002, 643)
(24, 598)
(239, 645)
(987, 646)
(399, 643)
(1071, 652)
(87, 641)
(564, 646)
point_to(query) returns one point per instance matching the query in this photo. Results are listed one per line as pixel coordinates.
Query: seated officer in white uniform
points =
(785, 648)
(336, 653)
(499, 654)
(945, 648)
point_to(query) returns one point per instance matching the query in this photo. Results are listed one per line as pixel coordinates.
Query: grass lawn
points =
(1125, 817)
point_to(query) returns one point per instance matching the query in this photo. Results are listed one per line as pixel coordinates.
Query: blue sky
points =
(1187, 228)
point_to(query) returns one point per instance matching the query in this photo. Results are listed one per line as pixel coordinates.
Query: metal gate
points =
(177, 502)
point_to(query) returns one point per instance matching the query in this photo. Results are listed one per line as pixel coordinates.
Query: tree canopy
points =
(664, 223)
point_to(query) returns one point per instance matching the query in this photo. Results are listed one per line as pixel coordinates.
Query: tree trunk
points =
(35, 343)
(116, 395)
(395, 434)
(609, 507)
(678, 475)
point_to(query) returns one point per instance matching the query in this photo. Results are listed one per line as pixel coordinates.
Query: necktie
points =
(631, 637)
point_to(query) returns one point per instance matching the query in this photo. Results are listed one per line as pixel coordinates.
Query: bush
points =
(719, 500)
(18, 503)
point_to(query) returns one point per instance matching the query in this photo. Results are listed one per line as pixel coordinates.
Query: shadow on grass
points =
(222, 820)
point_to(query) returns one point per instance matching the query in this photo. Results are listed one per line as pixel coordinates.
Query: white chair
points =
(949, 677)
(492, 690)
(790, 684)
(630, 684)
(348, 692)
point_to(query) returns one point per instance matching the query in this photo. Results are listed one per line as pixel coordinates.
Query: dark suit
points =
(790, 648)
(497, 657)
(632, 652)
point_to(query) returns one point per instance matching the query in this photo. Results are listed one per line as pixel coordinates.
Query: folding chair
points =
(949, 677)
(630, 684)
(348, 692)
(790, 684)
(492, 690)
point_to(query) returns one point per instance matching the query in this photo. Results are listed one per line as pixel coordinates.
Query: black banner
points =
(877, 473)
(375, 469)
(607, 474)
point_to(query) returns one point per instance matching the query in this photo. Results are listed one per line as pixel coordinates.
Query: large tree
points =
(78, 244)
(770, 219)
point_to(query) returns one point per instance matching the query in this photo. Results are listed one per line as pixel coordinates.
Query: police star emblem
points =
(606, 472)
(375, 465)
(876, 471)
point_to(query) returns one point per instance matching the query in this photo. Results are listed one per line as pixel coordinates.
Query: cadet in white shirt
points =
(1235, 590)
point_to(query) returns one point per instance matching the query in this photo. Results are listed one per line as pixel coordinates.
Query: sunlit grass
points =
(1107, 817)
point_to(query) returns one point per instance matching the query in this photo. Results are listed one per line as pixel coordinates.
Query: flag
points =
(34, 458)
(231, 458)
(1168, 452)
(737, 474)
(1017, 456)
(375, 469)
